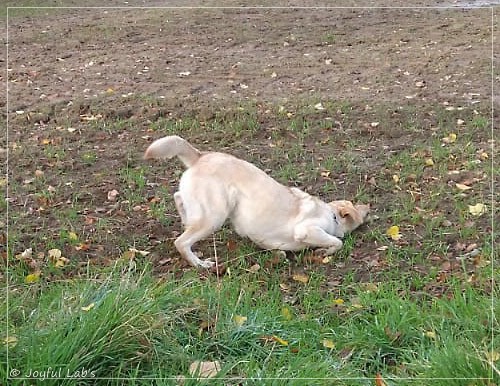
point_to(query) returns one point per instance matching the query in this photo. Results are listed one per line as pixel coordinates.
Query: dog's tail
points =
(171, 146)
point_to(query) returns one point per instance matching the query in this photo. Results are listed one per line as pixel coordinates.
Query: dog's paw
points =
(206, 264)
(324, 252)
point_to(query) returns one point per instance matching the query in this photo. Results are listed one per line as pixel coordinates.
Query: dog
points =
(218, 186)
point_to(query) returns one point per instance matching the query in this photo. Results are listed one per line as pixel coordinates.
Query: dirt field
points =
(87, 86)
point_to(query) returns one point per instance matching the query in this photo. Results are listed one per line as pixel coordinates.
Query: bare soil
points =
(90, 69)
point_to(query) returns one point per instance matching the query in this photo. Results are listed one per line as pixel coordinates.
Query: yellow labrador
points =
(218, 186)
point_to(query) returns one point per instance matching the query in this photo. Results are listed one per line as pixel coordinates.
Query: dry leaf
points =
(32, 278)
(112, 195)
(10, 341)
(379, 381)
(279, 340)
(493, 356)
(61, 262)
(26, 254)
(202, 369)
(430, 334)
(88, 308)
(462, 186)
(54, 254)
(477, 210)
(393, 233)
(319, 106)
(142, 253)
(239, 320)
(429, 162)
(327, 343)
(452, 137)
(300, 278)
(286, 313)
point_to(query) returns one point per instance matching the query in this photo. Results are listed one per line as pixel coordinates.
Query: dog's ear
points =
(345, 211)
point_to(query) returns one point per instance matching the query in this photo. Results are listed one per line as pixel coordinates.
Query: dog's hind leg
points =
(191, 235)
(197, 226)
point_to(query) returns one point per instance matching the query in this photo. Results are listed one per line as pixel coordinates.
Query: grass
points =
(129, 324)
(409, 310)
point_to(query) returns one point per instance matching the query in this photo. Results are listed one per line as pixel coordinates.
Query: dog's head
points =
(349, 216)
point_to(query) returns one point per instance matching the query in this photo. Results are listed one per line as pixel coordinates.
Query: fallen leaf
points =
(286, 313)
(338, 302)
(26, 254)
(142, 253)
(477, 210)
(327, 259)
(430, 334)
(319, 106)
(202, 369)
(379, 381)
(88, 308)
(112, 195)
(61, 262)
(239, 320)
(328, 343)
(493, 356)
(72, 236)
(462, 186)
(429, 162)
(82, 247)
(460, 122)
(301, 278)
(393, 233)
(54, 254)
(254, 268)
(10, 341)
(452, 137)
(32, 278)
(279, 340)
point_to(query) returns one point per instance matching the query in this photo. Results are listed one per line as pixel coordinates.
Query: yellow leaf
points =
(286, 313)
(327, 343)
(45, 141)
(492, 356)
(429, 162)
(142, 253)
(462, 186)
(201, 369)
(239, 320)
(54, 254)
(300, 278)
(72, 236)
(452, 137)
(32, 278)
(110, 91)
(393, 233)
(338, 302)
(128, 255)
(395, 178)
(430, 334)
(477, 210)
(10, 341)
(61, 262)
(279, 340)
(326, 259)
(89, 307)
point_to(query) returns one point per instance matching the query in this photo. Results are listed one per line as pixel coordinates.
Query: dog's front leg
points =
(314, 236)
